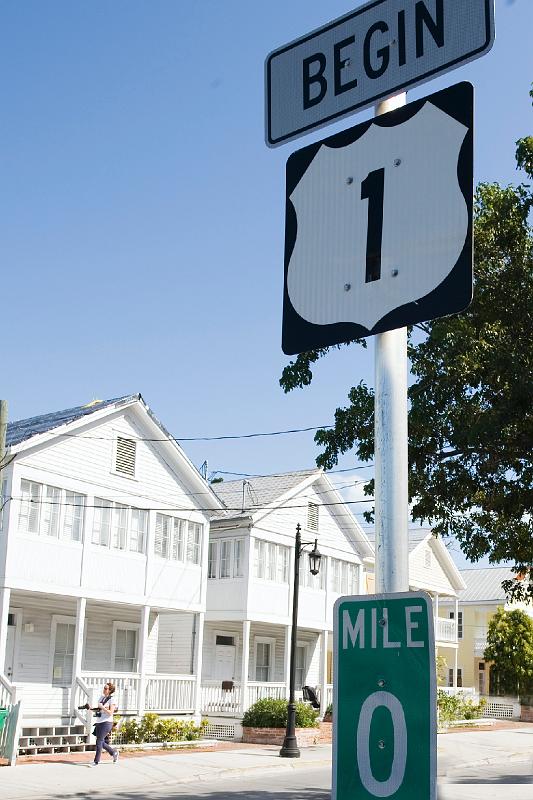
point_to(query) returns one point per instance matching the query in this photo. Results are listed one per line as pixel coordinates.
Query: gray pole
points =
(289, 748)
(390, 430)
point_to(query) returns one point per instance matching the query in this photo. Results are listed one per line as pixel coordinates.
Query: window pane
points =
(74, 515)
(178, 540)
(194, 542)
(50, 511)
(120, 526)
(102, 522)
(237, 558)
(283, 564)
(225, 558)
(259, 564)
(29, 506)
(271, 562)
(262, 664)
(212, 560)
(138, 530)
(161, 545)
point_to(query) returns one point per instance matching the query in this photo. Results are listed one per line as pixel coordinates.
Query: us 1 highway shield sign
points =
(378, 225)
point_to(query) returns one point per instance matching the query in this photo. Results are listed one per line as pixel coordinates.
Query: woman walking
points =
(103, 724)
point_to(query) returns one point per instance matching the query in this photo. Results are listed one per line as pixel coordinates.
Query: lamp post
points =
(289, 748)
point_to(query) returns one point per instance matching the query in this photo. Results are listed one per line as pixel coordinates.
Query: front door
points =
(224, 662)
(10, 650)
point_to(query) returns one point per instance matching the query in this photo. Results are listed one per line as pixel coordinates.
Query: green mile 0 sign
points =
(384, 706)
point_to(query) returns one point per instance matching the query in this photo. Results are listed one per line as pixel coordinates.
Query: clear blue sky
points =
(142, 215)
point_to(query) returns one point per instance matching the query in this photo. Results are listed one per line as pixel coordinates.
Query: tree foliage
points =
(510, 648)
(470, 398)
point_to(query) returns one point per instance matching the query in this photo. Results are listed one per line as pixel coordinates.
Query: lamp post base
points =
(289, 748)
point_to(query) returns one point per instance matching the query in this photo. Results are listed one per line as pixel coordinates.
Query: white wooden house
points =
(250, 587)
(432, 569)
(103, 564)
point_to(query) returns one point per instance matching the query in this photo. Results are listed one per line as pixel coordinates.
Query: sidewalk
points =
(70, 775)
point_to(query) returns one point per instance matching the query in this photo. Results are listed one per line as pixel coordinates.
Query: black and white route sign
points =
(378, 224)
(379, 49)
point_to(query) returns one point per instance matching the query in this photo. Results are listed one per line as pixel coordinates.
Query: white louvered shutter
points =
(125, 456)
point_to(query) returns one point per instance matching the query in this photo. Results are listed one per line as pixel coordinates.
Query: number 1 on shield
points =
(372, 189)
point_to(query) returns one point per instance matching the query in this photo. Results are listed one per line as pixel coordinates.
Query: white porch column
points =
(5, 595)
(324, 672)
(143, 647)
(245, 663)
(198, 656)
(436, 618)
(78, 648)
(287, 659)
(456, 652)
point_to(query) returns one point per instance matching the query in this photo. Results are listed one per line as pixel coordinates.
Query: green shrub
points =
(152, 728)
(329, 709)
(451, 707)
(270, 713)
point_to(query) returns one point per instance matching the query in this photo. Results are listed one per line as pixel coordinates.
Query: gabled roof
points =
(244, 497)
(256, 497)
(25, 434)
(24, 429)
(485, 585)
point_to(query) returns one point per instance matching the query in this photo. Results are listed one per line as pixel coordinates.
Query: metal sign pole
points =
(390, 430)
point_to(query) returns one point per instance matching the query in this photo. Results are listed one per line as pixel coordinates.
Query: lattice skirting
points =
(219, 731)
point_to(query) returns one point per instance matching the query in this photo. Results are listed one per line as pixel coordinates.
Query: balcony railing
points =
(445, 630)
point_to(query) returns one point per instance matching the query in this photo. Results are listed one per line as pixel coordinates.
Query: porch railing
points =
(8, 692)
(126, 687)
(170, 692)
(445, 630)
(215, 700)
(257, 691)
(83, 695)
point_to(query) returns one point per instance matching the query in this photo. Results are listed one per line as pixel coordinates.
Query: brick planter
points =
(306, 737)
(526, 713)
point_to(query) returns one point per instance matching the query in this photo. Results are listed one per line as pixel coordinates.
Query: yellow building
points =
(472, 611)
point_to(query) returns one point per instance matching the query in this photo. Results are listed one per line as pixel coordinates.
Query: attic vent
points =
(312, 517)
(125, 458)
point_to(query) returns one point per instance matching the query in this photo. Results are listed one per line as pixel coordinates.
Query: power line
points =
(172, 438)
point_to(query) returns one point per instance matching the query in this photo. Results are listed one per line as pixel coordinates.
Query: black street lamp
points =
(289, 748)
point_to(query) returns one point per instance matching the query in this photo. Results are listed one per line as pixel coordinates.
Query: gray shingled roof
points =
(257, 492)
(484, 585)
(416, 535)
(26, 428)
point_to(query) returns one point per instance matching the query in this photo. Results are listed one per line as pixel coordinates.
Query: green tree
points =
(510, 648)
(470, 398)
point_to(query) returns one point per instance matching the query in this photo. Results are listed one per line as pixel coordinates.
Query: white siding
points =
(175, 644)
(432, 577)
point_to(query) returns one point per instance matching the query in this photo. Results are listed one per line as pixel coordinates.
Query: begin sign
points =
(381, 48)
(384, 709)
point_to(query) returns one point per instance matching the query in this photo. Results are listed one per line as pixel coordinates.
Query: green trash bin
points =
(3, 717)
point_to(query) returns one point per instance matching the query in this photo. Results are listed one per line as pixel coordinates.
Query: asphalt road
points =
(508, 781)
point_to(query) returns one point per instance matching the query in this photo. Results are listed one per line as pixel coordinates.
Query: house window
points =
(177, 539)
(63, 657)
(344, 577)
(212, 560)
(264, 656)
(118, 526)
(238, 571)
(300, 665)
(271, 561)
(125, 456)
(459, 676)
(481, 677)
(194, 542)
(50, 511)
(312, 517)
(225, 559)
(125, 647)
(459, 622)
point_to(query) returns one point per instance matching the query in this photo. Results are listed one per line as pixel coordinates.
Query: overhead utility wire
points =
(172, 438)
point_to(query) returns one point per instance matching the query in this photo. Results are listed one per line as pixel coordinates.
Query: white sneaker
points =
(115, 757)
(93, 764)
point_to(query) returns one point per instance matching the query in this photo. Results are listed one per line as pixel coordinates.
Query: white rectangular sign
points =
(381, 48)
